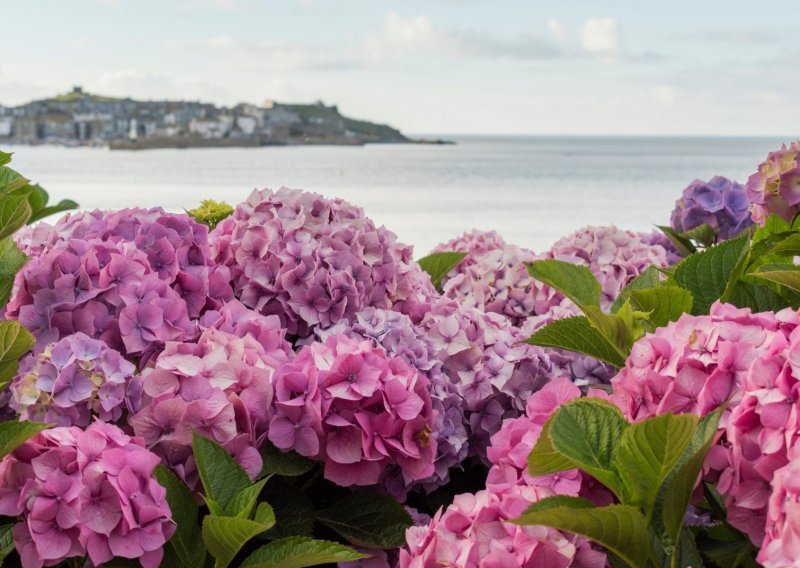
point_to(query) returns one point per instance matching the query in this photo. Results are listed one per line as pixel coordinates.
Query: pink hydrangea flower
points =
(781, 546)
(775, 187)
(73, 380)
(475, 532)
(219, 386)
(85, 492)
(347, 404)
(314, 261)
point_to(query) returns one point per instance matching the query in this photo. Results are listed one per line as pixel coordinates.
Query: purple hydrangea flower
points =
(314, 261)
(719, 202)
(85, 492)
(73, 380)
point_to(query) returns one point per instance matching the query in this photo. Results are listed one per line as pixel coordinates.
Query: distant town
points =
(79, 118)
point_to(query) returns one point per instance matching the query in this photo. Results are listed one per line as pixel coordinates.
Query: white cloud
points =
(138, 84)
(600, 37)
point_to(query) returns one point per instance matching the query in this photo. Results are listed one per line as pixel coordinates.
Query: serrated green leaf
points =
(14, 213)
(14, 434)
(664, 304)
(711, 275)
(244, 502)
(676, 491)
(587, 431)
(15, 341)
(439, 264)
(704, 234)
(544, 459)
(646, 454)
(60, 207)
(617, 329)
(759, 298)
(5, 158)
(10, 181)
(265, 515)
(187, 542)
(575, 281)
(288, 464)
(368, 519)
(731, 554)
(684, 246)
(225, 536)
(11, 261)
(294, 512)
(783, 275)
(649, 278)
(773, 226)
(6, 540)
(299, 552)
(620, 528)
(579, 335)
(222, 477)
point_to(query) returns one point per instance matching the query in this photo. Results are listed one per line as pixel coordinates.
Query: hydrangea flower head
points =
(775, 187)
(73, 380)
(781, 548)
(346, 403)
(219, 386)
(719, 203)
(314, 261)
(85, 492)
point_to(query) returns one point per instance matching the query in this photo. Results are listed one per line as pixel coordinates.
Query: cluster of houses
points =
(81, 118)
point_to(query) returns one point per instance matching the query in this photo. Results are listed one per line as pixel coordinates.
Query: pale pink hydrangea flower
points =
(781, 546)
(775, 187)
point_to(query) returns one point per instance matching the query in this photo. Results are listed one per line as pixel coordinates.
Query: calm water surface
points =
(532, 190)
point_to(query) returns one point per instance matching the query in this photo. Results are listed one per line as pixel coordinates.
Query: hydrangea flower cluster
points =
(474, 531)
(695, 363)
(781, 548)
(219, 386)
(175, 246)
(73, 380)
(719, 203)
(314, 261)
(775, 187)
(489, 369)
(399, 337)
(85, 492)
(347, 404)
(492, 277)
(104, 289)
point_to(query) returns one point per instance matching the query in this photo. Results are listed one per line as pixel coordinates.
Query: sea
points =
(532, 190)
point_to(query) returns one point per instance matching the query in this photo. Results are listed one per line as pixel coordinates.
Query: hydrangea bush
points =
(280, 383)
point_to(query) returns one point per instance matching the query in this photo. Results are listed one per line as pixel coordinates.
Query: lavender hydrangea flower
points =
(73, 380)
(719, 203)
(314, 261)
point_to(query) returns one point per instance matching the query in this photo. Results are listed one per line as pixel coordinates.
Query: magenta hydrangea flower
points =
(475, 532)
(314, 261)
(219, 386)
(492, 277)
(103, 289)
(775, 187)
(781, 547)
(73, 380)
(85, 492)
(719, 203)
(346, 403)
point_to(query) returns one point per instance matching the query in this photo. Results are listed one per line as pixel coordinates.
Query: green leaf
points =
(225, 536)
(711, 275)
(60, 207)
(575, 281)
(15, 341)
(587, 431)
(620, 528)
(265, 515)
(11, 261)
(647, 452)
(222, 477)
(294, 512)
(544, 459)
(438, 264)
(758, 298)
(6, 540)
(675, 493)
(288, 464)
(731, 554)
(773, 226)
(299, 552)
(665, 303)
(244, 502)
(703, 234)
(186, 542)
(579, 335)
(14, 213)
(4, 158)
(368, 519)
(649, 278)
(10, 181)
(14, 434)
(617, 329)
(688, 554)
(784, 275)
(684, 245)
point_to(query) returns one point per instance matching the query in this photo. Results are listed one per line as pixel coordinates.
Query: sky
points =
(623, 67)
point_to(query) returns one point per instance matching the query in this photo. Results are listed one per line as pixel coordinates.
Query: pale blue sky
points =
(440, 66)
